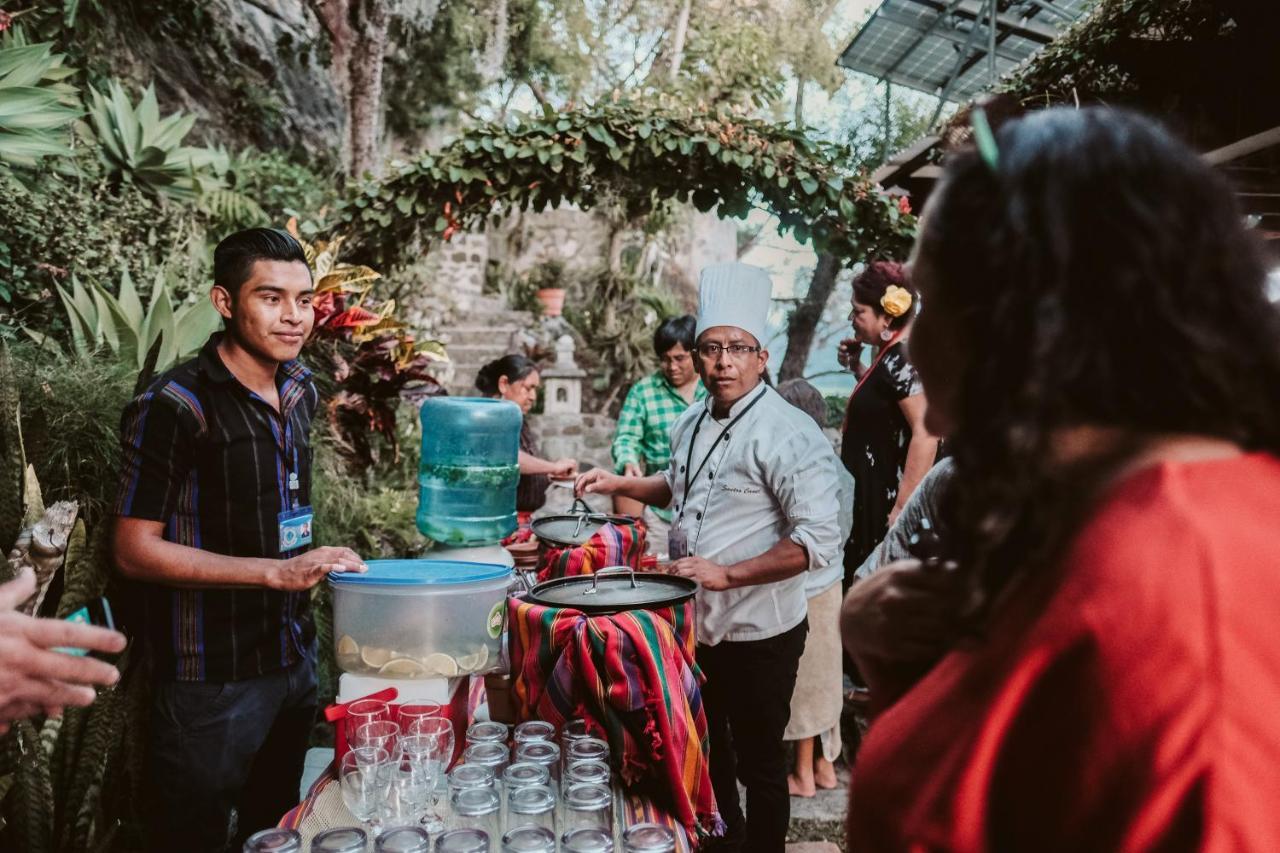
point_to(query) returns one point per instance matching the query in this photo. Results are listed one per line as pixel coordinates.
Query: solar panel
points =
(940, 46)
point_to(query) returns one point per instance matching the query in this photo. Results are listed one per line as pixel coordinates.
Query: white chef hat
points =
(735, 294)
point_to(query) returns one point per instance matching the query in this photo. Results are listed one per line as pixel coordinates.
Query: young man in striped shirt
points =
(214, 525)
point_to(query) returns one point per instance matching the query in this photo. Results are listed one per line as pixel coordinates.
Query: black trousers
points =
(747, 698)
(219, 746)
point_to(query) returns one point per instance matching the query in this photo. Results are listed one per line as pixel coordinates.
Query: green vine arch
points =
(640, 155)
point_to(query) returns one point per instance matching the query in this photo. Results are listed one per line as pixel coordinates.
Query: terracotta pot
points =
(552, 299)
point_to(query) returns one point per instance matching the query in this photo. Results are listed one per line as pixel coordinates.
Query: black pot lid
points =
(573, 529)
(614, 589)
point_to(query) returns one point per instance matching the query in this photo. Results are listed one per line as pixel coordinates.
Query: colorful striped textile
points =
(611, 545)
(632, 676)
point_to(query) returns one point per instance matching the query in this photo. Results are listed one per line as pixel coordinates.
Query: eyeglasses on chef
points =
(712, 351)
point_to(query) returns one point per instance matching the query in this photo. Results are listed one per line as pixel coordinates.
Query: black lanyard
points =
(690, 480)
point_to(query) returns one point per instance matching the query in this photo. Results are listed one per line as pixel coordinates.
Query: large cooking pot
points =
(613, 590)
(574, 527)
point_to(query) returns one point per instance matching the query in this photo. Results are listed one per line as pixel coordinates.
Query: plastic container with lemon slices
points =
(420, 619)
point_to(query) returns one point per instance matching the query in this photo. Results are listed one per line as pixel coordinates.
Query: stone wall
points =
(462, 263)
(586, 438)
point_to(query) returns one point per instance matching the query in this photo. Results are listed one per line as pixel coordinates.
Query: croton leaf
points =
(353, 318)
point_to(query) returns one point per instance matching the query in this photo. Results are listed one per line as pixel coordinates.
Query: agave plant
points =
(66, 783)
(152, 338)
(37, 105)
(138, 146)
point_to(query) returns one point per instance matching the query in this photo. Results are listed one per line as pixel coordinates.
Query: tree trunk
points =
(358, 31)
(372, 19)
(803, 322)
(677, 42)
(799, 115)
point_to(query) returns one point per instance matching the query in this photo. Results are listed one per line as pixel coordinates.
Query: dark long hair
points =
(1099, 274)
(514, 366)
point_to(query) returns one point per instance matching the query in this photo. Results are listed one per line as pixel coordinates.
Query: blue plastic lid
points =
(420, 573)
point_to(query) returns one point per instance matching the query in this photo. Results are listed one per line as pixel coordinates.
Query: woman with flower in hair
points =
(885, 444)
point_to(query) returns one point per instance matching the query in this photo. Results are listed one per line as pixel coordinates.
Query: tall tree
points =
(802, 323)
(871, 133)
(359, 36)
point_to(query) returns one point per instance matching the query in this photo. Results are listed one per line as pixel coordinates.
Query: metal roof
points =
(942, 46)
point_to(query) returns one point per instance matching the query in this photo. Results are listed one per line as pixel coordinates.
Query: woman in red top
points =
(1097, 665)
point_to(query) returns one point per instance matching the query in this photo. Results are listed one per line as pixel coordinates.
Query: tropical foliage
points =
(370, 359)
(641, 155)
(121, 324)
(139, 147)
(67, 783)
(37, 105)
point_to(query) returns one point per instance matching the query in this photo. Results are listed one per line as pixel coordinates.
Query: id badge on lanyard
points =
(295, 522)
(677, 542)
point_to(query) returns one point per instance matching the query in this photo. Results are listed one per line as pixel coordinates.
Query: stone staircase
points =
(483, 332)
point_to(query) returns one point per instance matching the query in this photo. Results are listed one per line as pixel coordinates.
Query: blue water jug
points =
(467, 479)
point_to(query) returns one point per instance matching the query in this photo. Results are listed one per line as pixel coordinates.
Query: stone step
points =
(812, 847)
(477, 353)
(480, 335)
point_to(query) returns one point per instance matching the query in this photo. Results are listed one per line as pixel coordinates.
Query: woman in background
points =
(816, 701)
(885, 445)
(515, 378)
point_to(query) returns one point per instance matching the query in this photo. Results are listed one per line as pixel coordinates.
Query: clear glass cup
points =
(364, 776)
(587, 772)
(273, 840)
(439, 749)
(586, 806)
(478, 808)
(403, 839)
(408, 794)
(487, 732)
(491, 755)
(342, 839)
(522, 774)
(463, 841)
(410, 712)
(590, 840)
(534, 730)
(364, 711)
(466, 776)
(383, 734)
(545, 755)
(534, 805)
(573, 730)
(586, 749)
(529, 839)
(648, 838)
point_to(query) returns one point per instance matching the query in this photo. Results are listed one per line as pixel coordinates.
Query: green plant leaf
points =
(130, 304)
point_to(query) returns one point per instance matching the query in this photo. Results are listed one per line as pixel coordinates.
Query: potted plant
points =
(548, 279)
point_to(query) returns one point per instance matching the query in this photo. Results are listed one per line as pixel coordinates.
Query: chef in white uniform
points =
(754, 486)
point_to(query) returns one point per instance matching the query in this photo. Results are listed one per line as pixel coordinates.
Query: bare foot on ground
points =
(798, 787)
(824, 774)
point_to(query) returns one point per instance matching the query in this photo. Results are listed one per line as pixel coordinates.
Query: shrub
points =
(62, 225)
(70, 418)
(836, 404)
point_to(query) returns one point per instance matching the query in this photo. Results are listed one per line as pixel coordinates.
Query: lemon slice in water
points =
(439, 664)
(376, 656)
(474, 661)
(402, 668)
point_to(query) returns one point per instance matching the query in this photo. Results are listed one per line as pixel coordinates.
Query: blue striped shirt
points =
(212, 461)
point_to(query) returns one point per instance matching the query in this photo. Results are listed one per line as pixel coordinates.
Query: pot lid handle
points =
(610, 570)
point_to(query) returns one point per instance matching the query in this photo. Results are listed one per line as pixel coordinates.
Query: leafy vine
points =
(640, 155)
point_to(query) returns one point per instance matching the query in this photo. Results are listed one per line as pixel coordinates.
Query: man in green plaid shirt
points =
(642, 444)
